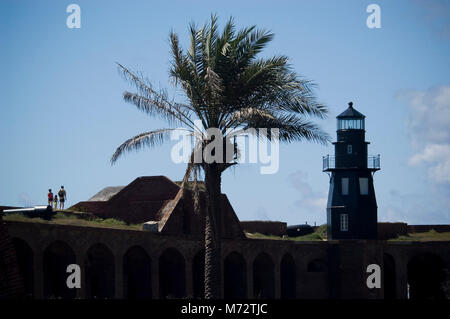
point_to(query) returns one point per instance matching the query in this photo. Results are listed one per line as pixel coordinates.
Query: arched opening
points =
(389, 282)
(198, 274)
(235, 277)
(99, 271)
(426, 274)
(317, 265)
(171, 274)
(25, 262)
(57, 256)
(263, 277)
(288, 278)
(137, 274)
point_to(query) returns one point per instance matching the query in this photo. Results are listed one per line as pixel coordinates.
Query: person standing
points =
(55, 200)
(62, 197)
(50, 197)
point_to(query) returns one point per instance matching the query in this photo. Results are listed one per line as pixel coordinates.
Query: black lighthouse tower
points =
(352, 206)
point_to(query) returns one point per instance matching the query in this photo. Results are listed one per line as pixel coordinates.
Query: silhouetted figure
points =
(62, 197)
(56, 201)
(50, 197)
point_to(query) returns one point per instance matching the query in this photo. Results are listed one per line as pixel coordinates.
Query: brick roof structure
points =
(158, 199)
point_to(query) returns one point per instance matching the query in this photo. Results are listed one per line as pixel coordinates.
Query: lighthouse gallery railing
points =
(329, 162)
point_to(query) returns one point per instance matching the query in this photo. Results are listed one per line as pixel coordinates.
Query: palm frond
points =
(152, 102)
(247, 114)
(210, 41)
(150, 139)
(251, 46)
(184, 71)
(270, 84)
(291, 128)
(223, 43)
(156, 106)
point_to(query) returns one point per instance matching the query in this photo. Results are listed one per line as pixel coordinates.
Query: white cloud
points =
(428, 126)
(416, 208)
(431, 153)
(429, 130)
(437, 157)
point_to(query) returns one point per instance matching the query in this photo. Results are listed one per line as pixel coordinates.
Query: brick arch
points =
(235, 276)
(288, 277)
(263, 276)
(56, 257)
(137, 278)
(66, 238)
(99, 272)
(25, 260)
(172, 274)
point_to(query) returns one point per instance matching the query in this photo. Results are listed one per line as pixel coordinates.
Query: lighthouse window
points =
(344, 222)
(350, 124)
(364, 185)
(344, 185)
(349, 149)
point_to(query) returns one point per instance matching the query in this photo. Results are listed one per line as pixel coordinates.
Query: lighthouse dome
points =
(350, 119)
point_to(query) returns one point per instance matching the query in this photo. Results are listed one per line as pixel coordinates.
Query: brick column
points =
(38, 274)
(81, 292)
(118, 276)
(299, 266)
(155, 277)
(401, 276)
(189, 278)
(277, 278)
(249, 280)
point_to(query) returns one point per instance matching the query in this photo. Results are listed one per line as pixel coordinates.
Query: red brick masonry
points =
(11, 285)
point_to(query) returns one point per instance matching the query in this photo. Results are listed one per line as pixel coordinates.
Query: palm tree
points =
(227, 87)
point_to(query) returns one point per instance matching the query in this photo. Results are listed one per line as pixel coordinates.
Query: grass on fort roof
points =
(309, 237)
(78, 219)
(318, 235)
(74, 219)
(431, 235)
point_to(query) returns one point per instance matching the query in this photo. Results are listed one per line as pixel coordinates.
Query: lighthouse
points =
(352, 205)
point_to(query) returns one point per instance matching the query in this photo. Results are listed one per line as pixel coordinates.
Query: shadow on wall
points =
(263, 277)
(426, 277)
(99, 269)
(137, 274)
(235, 276)
(56, 258)
(171, 274)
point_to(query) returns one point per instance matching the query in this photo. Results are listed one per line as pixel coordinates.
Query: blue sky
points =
(62, 113)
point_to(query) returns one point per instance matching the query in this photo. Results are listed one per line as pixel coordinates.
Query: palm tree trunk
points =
(213, 273)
